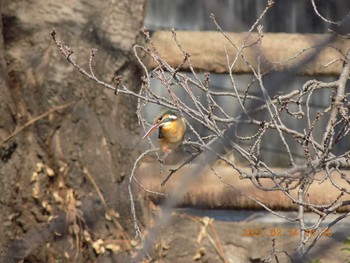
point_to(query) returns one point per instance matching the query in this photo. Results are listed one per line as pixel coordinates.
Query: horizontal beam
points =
(208, 191)
(207, 50)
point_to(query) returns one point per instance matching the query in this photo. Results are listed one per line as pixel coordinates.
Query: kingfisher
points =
(171, 130)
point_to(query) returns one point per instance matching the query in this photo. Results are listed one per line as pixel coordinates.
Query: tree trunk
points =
(49, 168)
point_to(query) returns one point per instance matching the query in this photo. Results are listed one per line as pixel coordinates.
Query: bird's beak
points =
(152, 129)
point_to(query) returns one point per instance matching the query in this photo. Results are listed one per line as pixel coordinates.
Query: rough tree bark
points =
(96, 135)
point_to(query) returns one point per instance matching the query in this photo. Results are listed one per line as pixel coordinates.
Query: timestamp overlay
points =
(284, 232)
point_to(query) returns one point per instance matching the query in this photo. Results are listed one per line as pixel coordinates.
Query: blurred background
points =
(238, 16)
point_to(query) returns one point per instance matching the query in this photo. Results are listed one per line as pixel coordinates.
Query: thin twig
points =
(35, 119)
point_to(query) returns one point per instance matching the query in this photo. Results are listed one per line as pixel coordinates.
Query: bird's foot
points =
(162, 159)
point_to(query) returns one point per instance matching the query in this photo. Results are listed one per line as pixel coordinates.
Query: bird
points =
(171, 130)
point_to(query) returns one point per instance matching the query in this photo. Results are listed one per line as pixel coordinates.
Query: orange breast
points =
(172, 135)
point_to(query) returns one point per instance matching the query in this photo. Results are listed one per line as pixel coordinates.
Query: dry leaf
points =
(113, 247)
(206, 220)
(49, 172)
(57, 234)
(66, 255)
(108, 217)
(134, 243)
(203, 230)
(45, 204)
(87, 236)
(98, 246)
(39, 167)
(61, 184)
(200, 253)
(113, 213)
(51, 218)
(58, 199)
(36, 190)
(34, 177)
(13, 216)
(165, 246)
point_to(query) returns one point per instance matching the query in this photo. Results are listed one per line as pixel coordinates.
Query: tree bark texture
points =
(97, 134)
